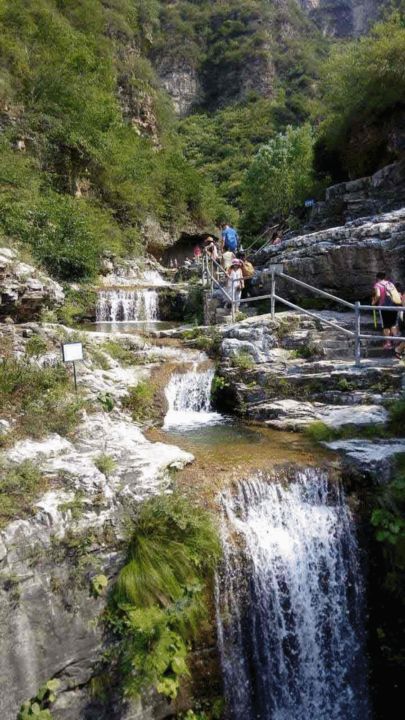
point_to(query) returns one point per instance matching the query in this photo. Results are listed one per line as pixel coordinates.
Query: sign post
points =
(72, 352)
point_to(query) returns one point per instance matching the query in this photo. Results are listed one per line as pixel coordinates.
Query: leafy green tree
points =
(363, 85)
(279, 178)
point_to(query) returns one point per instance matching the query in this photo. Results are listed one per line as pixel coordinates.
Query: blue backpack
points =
(230, 237)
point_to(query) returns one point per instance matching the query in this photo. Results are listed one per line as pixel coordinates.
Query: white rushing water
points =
(290, 603)
(127, 305)
(189, 399)
(153, 278)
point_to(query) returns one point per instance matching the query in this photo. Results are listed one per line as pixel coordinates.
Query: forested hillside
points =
(95, 156)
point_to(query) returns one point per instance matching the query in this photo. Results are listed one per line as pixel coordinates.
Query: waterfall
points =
(290, 603)
(127, 305)
(188, 397)
(153, 278)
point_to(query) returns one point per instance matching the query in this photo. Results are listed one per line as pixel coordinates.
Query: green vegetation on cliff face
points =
(88, 148)
(362, 103)
(93, 158)
(159, 601)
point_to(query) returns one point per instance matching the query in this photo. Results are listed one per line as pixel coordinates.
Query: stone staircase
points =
(311, 375)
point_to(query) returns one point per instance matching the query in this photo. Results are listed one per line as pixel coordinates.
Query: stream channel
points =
(289, 593)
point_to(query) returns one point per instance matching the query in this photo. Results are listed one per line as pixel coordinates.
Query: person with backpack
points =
(230, 238)
(399, 351)
(385, 294)
(248, 272)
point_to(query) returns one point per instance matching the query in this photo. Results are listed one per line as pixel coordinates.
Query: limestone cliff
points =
(343, 18)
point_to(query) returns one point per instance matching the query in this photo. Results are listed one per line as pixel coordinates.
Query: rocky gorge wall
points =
(344, 18)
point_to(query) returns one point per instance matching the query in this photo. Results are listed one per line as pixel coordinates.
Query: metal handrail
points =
(307, 312)
(357, 307)
(323, 293)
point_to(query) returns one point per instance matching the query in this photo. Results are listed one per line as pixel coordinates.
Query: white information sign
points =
(72, 351)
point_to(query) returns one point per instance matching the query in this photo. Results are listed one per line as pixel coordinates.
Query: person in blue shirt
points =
(230, 238)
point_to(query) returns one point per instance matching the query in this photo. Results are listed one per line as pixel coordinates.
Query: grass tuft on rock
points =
(19, 487)
(158, 604)
(39, 400)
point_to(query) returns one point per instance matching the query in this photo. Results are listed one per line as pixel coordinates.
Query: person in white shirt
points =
(227, 258)
(235, 282)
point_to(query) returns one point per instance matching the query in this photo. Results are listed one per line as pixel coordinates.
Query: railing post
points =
(273, 293)
(233, 313)
(357, 333)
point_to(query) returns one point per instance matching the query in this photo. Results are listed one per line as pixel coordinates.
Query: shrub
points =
(158, 602)
(35, 346)
(279, 178)
(20, 485)
(353, 126)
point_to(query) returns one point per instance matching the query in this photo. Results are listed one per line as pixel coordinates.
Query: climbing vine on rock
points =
(38, 707)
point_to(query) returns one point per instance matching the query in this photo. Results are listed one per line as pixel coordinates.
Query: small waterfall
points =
(290, 603)
(127, 305)
(153, 278)
(189, 399)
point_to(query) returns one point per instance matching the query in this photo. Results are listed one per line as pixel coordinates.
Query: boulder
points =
(24, 290)
(289, 414)
(373, 458)
(255, 337)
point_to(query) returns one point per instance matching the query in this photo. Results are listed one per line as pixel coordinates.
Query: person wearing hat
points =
(211, 248)
(235, 282)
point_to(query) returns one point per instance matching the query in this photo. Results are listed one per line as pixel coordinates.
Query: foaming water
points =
(189, 399)
(153, 278)
(290, 603)
(127, 305)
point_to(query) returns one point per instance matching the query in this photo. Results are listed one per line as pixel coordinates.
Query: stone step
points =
(296, 415)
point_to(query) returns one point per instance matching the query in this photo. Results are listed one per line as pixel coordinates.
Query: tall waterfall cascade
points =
(127, 305)
(188, 397)
(290, 603)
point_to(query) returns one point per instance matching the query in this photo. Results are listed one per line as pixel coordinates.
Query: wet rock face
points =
(24, 290)
(343, 18)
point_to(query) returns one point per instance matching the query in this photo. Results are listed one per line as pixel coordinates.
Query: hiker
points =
(230, 238)
(227, 258)
(235, 282)
(248, 272)
(277, 239)
(385, 294)
(399, 351)
(211, 248)
(197, 253)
